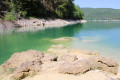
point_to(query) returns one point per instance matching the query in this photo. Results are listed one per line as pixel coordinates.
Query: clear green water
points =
(101, 36)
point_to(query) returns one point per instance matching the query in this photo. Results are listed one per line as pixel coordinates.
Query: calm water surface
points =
(101, 36)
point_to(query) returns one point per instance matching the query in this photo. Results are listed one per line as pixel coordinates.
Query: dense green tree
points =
(64, 9)
(78, 14)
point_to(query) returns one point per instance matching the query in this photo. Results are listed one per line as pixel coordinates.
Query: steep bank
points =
(8, 26)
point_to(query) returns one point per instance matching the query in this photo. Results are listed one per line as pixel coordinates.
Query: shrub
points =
(10, 16)
(24, 13)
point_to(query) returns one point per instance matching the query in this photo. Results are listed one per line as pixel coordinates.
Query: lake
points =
(99, 36)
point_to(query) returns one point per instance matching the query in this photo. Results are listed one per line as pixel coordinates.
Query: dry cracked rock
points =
(93, 63)
(26, 69)
(21, 57)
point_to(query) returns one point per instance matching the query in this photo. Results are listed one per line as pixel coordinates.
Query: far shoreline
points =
(104, 20)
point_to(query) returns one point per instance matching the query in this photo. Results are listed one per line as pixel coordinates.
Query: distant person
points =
(19, 15)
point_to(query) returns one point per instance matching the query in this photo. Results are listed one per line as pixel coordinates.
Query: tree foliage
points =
(64, 9)
(78, 14)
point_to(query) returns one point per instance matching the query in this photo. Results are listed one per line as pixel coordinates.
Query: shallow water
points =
(100, 36)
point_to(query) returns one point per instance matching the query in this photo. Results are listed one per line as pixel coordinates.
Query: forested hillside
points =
(64, 9)
(101, 14)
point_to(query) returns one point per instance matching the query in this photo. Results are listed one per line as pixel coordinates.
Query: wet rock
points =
(21, 57)
(27, 69)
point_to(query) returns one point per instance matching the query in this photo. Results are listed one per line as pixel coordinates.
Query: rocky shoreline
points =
(58, 59)
(35, 24)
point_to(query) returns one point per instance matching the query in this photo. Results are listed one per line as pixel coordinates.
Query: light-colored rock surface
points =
(83, 21)
(68, 58)
(77, 67)
(49, 58)
(63, 39)
(80, 51)
(91, 75)
(35, 24)
(21, 57)
(41, 24)
(7, 25)
(32, 62)
(26, 69)
(93, 63)
(61, 49)
(105, 64)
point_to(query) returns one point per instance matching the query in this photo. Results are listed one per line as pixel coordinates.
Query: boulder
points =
(104, 64)
(21, 57)
(26, 69)
(93, 63)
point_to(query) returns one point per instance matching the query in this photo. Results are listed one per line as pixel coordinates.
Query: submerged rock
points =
(79, 51)
(58, 49)
(63, 39)
(60, 46)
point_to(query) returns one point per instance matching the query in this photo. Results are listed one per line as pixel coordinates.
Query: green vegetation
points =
(101, 14)
(10, 16)
(64, 9)
(78, 14)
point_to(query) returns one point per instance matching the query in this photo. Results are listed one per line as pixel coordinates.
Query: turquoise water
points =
(100, 36)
